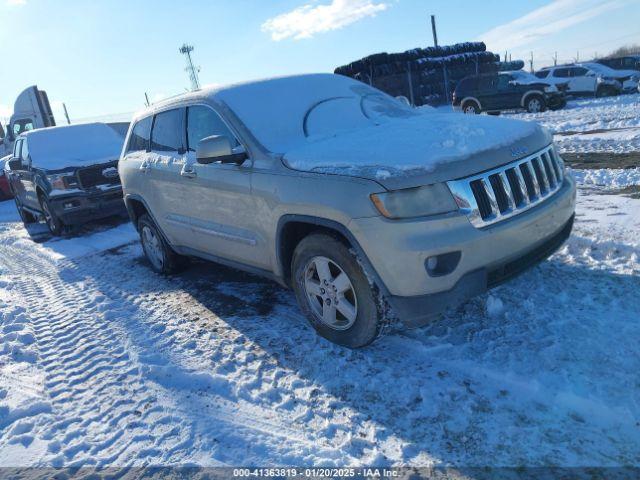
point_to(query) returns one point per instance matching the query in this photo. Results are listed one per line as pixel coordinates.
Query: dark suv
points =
(66, 175)
(506, 91)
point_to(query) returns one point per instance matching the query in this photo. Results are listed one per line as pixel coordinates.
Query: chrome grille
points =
(506, 191)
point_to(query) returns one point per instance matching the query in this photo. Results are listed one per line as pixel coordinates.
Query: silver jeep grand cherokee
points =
(370, 210)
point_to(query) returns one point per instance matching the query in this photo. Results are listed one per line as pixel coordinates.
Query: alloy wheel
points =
(152, 247)
(330, 293)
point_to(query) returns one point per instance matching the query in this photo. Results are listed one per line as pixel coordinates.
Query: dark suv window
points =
(467, 84)
(561, 73)
(578, 72)
(140, 136)
(168, 131)
(487, 82)
(542, 74)
(203, 122)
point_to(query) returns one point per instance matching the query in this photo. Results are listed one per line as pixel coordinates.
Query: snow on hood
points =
(408, 146)
(80, 145)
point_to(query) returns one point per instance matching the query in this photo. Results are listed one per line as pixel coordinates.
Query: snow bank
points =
(56, 148)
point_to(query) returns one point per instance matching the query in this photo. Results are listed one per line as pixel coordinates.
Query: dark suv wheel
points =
(471, 107)
(26, 217)
(160, 255)
(535, 104)
(333, 291)
(55, 225)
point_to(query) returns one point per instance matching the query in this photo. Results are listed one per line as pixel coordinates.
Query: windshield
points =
(285, 113)
(524, 77)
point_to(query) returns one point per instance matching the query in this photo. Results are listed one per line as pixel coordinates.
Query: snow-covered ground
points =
(609, 124)
(103, 362)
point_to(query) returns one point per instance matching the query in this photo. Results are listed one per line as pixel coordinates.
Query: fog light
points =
(432, 263)
(442, 264)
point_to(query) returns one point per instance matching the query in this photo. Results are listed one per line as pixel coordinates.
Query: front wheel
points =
(26, 217)
(535, 104)
(334, 293)
(55, 225)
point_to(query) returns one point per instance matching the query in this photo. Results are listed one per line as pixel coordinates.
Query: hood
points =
(420, 150)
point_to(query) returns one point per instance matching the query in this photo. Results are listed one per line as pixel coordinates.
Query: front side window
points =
(503, 82)
(16, 149)
(24, 154)
(542, 74)
(140, 136)
(561, 73)
(168, 131)
(579, 72)
(203, 122)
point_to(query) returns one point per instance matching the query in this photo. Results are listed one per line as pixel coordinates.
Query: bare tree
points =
(633, 49)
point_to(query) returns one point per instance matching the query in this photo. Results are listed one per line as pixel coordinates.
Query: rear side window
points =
(542, 74)
(561, 73)
(140, 136)
(579, 72)
(467, 84)
(486, 83)
(168, 131)
(203, 122)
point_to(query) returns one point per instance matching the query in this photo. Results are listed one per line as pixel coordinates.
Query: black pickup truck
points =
(66, 175)
(494, 92)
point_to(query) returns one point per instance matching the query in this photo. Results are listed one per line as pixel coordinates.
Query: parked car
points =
(5, 190)
(369, 209)
(505, 91)
(581, 80)
(628, 78)
(66, 175)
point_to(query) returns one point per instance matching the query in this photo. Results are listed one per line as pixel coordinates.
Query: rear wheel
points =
(334, 293)
(535, 104)
(55, 225)
(160, 255)
(470, 107)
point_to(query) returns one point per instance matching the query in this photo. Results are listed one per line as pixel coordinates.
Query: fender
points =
(333, 225)
(523, 101)
(471, 98)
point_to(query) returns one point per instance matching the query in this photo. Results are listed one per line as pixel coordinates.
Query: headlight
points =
(62, 181)
(415, 202)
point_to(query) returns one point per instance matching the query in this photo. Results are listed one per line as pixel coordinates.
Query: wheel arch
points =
(528, 93)
(470, 98)
(293, 228)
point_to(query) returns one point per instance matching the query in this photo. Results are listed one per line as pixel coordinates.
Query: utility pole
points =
(531, 63)
(66, 114)
(433, 29)
(146, 100)
(555, 59)
(191, 69)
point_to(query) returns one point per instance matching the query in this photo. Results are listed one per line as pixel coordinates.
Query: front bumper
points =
(398, 251)
(77, 208)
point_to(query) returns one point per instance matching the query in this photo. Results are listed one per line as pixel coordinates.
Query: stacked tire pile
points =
(425, 76)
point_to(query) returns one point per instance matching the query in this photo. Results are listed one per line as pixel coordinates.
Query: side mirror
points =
(15, 164)
(217, 148)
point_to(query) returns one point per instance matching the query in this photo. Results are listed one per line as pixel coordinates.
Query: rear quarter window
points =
(140, 136)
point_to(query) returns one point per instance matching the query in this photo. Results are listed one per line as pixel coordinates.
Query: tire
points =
(159, 254)
(535, 104)
(26, 217)
(54, 224)
(363, 323)
(471, 107)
